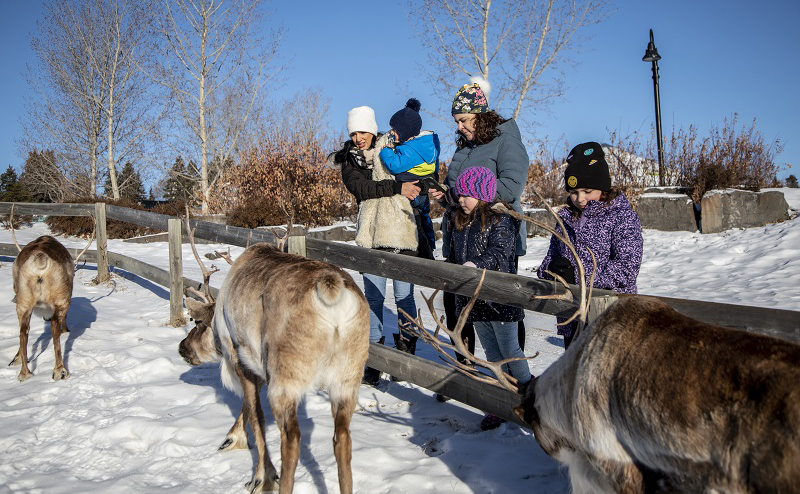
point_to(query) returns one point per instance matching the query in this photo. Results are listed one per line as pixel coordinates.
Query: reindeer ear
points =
(192, 304)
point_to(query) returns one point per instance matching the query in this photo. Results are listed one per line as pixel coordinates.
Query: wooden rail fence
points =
(514, 290)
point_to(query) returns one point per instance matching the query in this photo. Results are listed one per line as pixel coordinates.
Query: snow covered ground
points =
(133, 417)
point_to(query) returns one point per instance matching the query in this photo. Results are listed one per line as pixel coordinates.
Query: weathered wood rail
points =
(509, 289)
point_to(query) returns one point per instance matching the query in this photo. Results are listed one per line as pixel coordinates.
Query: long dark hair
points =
(605, 197)
(485, 129)
(484, 209)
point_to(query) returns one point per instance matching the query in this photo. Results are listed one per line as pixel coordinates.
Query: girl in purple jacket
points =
(599, 217)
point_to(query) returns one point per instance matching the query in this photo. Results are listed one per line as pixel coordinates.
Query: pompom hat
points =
(407, 122)
(361, 119)
(478, 182)
(471, 98)
(587, 168)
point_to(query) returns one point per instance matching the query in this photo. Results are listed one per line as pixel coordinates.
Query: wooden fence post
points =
(598, 306)
(175, 274)
(102, 242)
(297, 245)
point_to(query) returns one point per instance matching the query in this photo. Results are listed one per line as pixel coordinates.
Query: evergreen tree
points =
(129, 182)
(11, 190)
(41, 178)
(181, 181)
(151, 196)
(791, 181)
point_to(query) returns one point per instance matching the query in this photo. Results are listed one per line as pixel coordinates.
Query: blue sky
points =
(718, 57)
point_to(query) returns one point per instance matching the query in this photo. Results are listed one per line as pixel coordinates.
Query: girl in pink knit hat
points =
(482, 238)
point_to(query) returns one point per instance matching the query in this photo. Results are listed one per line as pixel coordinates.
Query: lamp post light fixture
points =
(651, 55)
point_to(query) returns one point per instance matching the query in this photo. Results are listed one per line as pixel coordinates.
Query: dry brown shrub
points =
(83, 226)
(280, 178)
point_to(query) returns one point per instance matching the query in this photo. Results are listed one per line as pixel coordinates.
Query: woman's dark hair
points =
(340, 156)
(485, 129)
(483, 208)
(605, 197)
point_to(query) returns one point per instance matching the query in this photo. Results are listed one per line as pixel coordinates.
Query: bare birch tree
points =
(216, 65)
(519, 46)
(63, 113)
(91, 98)
(118, 49)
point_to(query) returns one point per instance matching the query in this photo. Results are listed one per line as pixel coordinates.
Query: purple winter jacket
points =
(614, 233)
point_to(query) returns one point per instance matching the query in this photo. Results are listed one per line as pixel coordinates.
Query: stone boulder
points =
(666, 211)
(338, 233)
(733, 208)
(543, 216)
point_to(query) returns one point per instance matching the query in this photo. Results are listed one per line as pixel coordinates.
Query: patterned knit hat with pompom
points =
(477, 182)
(471, 98)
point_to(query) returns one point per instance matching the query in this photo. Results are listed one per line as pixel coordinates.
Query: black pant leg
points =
(467, 334)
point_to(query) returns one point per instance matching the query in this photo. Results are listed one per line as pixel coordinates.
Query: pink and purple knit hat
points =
(478, 182)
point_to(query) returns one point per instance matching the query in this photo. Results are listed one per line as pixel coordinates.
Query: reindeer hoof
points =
(60, 373)
(231, 444)
(24, 376)
(258, 485)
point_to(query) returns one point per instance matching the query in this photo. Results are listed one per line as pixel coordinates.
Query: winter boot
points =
(372, 376)
(404, 344)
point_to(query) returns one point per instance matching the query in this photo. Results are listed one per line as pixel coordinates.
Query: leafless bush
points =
(283, 176)
(546, 173)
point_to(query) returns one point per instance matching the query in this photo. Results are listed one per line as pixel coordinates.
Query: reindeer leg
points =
(24, 317)
(284, 409)
(237, 436)
(342, 444)
(57, 323)
(265, 477)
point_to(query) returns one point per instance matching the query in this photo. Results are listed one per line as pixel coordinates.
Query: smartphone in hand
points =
(430, 183)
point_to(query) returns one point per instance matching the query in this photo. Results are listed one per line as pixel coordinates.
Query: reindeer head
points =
(200, 346)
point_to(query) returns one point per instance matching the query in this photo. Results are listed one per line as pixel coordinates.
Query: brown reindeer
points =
(296, 325)
(43, 273)
(649, 400)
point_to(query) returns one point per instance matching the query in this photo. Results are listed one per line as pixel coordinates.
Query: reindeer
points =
(649, 400)
(43, 273)
(296, 325)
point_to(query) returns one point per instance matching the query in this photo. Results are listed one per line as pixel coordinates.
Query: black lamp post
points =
(651, 55)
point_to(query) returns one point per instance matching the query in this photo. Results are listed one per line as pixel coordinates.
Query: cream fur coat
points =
(386, 222)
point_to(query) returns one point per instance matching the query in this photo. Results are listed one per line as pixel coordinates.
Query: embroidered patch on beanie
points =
(587, 168)
(407, 122)
(478, 182)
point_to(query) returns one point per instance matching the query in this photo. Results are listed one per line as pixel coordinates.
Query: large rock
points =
(543, 216)
(733, 208)
(666, 211)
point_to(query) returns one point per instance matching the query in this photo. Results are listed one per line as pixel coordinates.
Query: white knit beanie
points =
(362, 119)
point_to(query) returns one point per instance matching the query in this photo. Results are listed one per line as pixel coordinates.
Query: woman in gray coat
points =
(489, 140)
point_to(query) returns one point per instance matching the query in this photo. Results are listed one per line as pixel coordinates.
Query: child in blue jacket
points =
(415, 156)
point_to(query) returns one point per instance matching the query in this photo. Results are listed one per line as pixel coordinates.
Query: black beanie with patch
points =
(587, 168)
(407, 122)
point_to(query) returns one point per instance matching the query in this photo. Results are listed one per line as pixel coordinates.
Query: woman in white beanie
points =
(385, 220)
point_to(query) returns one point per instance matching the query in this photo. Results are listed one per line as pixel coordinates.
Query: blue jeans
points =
(500, 341)
(375, 291)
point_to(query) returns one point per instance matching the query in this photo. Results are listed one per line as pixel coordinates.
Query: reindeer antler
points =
(91, 239)
(11, 224)
(416, 326)
(206, 294)
(585, 293)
